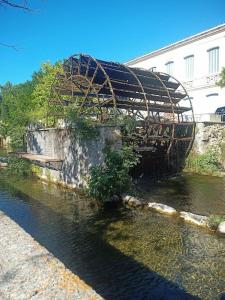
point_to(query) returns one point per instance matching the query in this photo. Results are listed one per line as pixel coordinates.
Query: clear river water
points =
(127, 253)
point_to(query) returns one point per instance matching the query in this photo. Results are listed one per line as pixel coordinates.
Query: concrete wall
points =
(50, 142)
(77, 155)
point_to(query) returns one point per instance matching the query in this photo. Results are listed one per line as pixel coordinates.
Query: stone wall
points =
(210, 135)
(77, 155)
(50, 142)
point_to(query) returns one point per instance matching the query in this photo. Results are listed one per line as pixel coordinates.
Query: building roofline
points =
(193, 38)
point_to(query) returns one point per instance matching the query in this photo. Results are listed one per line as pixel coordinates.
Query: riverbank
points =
(29, 271)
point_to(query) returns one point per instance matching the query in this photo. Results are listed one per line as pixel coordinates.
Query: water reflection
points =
(123, 254)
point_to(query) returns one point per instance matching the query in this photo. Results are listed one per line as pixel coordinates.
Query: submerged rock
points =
(194, 219)
(221, 228)
(132, 201)
(162, 208)
(125, 198)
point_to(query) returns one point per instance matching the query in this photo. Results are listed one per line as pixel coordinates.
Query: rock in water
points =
(194, 219)
(162, 208)
(132, 201)
(221, 228)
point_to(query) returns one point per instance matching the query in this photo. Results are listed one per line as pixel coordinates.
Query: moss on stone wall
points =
(36, 170)
(207, 163)
(208, 154)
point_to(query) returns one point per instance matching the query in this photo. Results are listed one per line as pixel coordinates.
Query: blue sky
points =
(116, 30)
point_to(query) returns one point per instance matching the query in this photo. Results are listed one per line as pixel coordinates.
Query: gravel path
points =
(29, 271)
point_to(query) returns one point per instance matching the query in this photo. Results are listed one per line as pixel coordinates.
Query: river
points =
(125, 253)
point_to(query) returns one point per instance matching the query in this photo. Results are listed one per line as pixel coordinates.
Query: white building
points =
(196, 62)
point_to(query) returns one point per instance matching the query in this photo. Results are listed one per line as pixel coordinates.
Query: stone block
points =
(162, 208)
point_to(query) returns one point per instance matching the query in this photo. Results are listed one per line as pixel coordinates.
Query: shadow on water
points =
(111, 273)
(198, 194)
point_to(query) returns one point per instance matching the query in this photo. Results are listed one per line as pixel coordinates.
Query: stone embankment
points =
(29, 271)
(188, 217)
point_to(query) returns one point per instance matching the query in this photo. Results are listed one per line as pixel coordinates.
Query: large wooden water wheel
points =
(156, 101)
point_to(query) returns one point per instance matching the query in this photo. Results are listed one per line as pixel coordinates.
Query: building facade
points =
(196, 62)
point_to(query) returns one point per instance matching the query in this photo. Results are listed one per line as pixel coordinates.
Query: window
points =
(213, 60)
(169, 67)
(189, 67)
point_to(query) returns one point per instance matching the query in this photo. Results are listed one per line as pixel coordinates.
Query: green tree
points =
(29, 102)
(15, 111)
(46, 111)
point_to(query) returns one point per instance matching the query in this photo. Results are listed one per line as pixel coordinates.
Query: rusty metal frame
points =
(193, 116)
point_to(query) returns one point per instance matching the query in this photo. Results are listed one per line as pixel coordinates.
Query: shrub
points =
(19, 166)
(82, 127)
(215, 220)
(112, 178)
(207, 163)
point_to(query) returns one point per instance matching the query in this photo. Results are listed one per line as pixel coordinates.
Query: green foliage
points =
(83, 127)
(15, 111)
(3, 153)
(112, 178)
(20, 167)
(3, 129)
(221, 82)
(128, 124)
(207, 163)
(215, 220)
(44, 82)
(222, 148)
(36, 170)
(27, 103)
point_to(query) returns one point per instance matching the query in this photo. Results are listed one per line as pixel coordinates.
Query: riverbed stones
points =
(198, 220)
(162, 208)
(132, 201)
(188, 217)
(221, 228)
